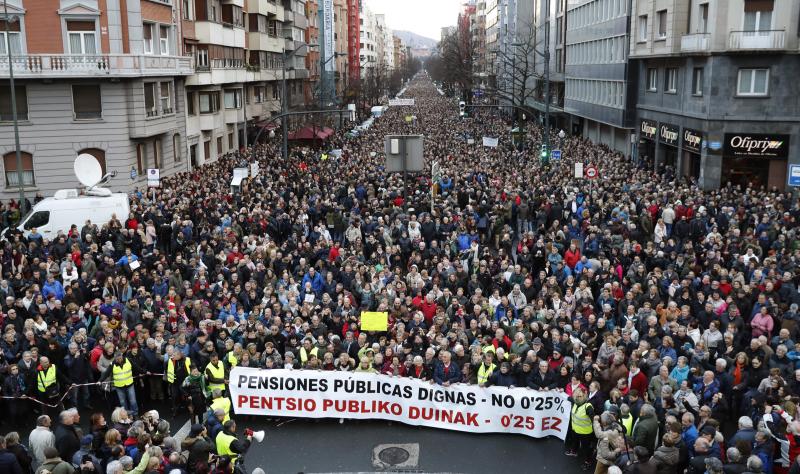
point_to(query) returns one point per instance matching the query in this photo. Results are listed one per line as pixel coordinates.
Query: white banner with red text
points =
(460, 407)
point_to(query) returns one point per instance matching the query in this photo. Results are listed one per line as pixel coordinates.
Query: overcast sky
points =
(424, 17)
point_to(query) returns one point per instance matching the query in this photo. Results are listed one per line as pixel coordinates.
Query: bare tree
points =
(515, 68)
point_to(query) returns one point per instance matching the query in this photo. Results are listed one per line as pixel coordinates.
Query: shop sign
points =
(669, 134)
(649, 129)
(692, 140)
(756, 145)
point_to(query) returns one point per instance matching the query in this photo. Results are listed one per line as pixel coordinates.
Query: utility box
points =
(404, 153)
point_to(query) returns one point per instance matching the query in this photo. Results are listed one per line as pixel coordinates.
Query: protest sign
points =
(357, 395)
(374, 321)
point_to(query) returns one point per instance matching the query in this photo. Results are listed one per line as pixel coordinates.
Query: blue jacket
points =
(54, 288)
(317, 283)
(453, 374)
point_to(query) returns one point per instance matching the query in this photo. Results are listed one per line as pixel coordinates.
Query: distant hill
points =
(414, 40)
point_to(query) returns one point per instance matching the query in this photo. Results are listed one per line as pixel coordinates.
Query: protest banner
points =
(490, 142)
(357, 395)
(374, 321)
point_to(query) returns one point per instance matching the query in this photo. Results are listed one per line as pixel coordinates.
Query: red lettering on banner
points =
(445, 416)
(556, 426)
(326, 404)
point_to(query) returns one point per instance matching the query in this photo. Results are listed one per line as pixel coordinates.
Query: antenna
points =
(88, 170)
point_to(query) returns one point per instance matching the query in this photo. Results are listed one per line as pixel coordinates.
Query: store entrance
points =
(745, 172)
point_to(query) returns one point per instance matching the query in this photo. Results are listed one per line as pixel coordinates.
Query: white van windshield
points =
(37, 219)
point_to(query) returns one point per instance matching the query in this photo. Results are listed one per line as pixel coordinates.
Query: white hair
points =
(114, 467)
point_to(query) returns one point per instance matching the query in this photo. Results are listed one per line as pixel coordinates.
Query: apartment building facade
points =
(717, 99)
(597, 76)
(104, 78)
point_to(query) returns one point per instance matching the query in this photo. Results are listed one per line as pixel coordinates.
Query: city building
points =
(353, 41)
(311, 87)
(368, 46)
(717, 95)
(92, 77)
(597, 75)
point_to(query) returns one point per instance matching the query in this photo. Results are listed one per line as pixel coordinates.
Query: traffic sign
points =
(591, 172)
(556, 154)
(794, 175)
(153, 177)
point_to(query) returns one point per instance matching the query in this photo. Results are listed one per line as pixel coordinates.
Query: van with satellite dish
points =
(57, 214)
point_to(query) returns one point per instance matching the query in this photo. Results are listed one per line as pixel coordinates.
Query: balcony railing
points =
(696, 42)
(764, 39)
(114, 65)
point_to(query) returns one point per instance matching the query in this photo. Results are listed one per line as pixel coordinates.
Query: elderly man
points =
(446, 372)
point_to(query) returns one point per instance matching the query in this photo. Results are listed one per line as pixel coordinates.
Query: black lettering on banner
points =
(506, 401)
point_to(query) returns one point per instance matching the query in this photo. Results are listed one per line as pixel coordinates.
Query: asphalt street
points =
(293, 446)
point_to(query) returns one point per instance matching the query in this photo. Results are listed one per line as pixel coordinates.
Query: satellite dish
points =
(87, 170)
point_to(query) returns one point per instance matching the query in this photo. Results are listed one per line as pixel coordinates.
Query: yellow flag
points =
(374, 321)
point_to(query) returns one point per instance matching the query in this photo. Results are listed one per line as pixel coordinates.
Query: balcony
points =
(102, 65)
(696, 42)
(764, 39)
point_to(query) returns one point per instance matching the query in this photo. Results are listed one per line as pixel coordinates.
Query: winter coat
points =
(39, 439)
(645, 432)
(56, 466)
(666, 460)
(9, 463)
(67, 441)
(198, 448)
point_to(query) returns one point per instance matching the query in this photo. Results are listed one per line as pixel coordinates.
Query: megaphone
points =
(258, 436)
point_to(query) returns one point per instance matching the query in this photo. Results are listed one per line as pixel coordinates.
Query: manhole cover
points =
(394, 456)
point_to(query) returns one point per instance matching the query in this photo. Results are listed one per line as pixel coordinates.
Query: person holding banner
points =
(580, 438)
(446, 372)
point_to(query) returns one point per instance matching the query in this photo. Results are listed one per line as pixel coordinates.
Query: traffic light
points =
(462, 108)
(544, 155)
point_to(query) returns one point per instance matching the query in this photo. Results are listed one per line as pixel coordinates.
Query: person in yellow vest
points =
(221, 402)
(216, 373)
(626, 419)
(486, 368)
(580, 437)
(178, 368)
(307, 351)
(228, 445)
(121, 374)
(48, 390)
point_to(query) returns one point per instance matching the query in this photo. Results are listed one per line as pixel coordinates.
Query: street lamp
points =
(324, 92)
(561, 135)
(284, 105)
(20, 176)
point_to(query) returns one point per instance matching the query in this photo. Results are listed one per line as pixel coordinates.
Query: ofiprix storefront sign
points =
(756, 145)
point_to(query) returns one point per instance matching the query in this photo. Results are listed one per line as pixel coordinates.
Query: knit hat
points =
(87, 440)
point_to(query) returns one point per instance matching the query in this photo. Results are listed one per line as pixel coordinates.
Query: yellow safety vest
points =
(580, 421)
(484, 373)
(223, 443)
(122, 376)
(46, 378)
(232, 360)
(305, 354)
(171, 369)
(218, 373)
(627, 422)
(223, 403)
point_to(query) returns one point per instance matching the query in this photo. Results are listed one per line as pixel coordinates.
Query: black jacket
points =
(539, 382)
(67, 440)
(9, 463)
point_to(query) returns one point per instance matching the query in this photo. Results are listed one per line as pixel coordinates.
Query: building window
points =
(187, 9)
(5, 103)
(230, 140)
(233, 99)
(10, 165)
(202, 57)
(191, 109)
(157, 153)
(652, 79)
(98, 155)
(150, 94)
(82, 39)
(176, 147)
(704, 18)
(758, 16)
(166, 97)
(209, 102)
(219, 146)
(662, 24)
(643, 28)
(671, 80)
(147, 29)
(10, 40)
(86, 101)
(141, 158)
(164, 40)
(697, 81)
(753, 82)
(258, 94)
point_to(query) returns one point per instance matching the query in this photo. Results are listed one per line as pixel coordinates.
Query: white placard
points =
(490, 142)
(578, 169)
(153, 177)
(401, 102)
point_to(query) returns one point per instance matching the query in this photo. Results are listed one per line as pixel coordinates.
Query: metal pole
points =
(20, 178)
(405, 173)
(547, 88)
(284, 108)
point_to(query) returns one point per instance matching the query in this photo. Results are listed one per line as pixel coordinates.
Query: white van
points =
(57, 214)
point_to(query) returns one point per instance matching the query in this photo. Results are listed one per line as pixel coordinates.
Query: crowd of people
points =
(667, 313)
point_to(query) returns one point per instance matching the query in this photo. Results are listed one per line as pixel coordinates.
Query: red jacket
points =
(572, 258)
(639, 382)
